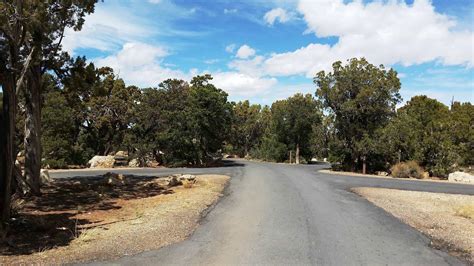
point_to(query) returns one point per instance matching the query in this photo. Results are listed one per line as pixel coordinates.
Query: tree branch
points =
(20, 81)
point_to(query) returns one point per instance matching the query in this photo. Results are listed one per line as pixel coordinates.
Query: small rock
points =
(381, 173)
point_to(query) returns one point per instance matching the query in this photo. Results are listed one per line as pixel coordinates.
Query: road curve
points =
(288, 214)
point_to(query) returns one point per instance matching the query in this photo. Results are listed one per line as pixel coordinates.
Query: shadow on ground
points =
(48, 221)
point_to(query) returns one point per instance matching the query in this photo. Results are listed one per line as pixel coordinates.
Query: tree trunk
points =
(297, 155)
(364, 165)
(291, 156)
(7, 152)
(32, 141)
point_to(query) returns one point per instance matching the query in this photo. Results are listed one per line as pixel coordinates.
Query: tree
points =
(362, 98)
(247, 127)
(32, 32)
(462, 131)
(433, 144)
(211, 117)
(293, 120)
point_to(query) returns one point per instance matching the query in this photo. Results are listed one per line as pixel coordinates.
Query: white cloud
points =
(106, 30)
(140, 64)
(245, 51)
(383, 32)
(240, 84)
(154, 1)
(230, 48)
(276, 14)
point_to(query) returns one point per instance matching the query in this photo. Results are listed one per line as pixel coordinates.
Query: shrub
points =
(409, 169)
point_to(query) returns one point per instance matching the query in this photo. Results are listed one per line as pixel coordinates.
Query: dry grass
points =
(437, 215)
(466, 211)
(129, 225)
(409, 169)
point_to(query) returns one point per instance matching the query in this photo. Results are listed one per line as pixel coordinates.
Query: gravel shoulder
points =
(439, 216)
(331, 172)
(132, 225)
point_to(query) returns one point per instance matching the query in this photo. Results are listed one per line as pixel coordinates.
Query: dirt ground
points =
(431, 179)
(79, 220)
(447, 219)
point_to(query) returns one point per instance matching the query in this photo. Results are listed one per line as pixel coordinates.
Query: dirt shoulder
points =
(447, 219)
(327, 171)
(79, 222)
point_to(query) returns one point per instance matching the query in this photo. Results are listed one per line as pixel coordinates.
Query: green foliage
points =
(270, 150)
(248, 127)
(409, 169)
(57, 131)
(362, 98)
(292, 122)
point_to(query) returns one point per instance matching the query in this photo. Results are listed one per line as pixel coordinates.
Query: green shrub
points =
(409, 169)
(55, 164)
(270, 150)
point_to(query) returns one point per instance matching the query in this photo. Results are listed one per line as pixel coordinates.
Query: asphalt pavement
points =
(277, 214)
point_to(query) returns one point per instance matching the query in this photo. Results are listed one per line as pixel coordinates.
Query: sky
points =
(265, 50)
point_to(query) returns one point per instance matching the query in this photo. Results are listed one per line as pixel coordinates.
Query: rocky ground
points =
(94, 219)
(447, 219)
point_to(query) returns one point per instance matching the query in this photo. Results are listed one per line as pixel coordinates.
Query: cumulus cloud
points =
(276, 14)
(240, 84)
(384, 32)
(140, 64)
(245, 51)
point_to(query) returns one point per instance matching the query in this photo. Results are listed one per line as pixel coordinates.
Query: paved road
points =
(288, 214)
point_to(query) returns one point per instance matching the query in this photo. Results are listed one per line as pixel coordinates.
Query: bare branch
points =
(20, 81)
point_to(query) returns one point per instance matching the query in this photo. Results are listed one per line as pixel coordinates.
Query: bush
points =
(270, 150)
(409, 169)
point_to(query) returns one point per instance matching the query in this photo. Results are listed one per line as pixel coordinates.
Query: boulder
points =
(461, 177)
(189, 178)
(122, 154)
(114, 179)
(101, 162)
(134, 163)
(121, 158)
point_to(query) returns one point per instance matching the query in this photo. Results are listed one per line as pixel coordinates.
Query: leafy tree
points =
(31, 33)
(434, 148)
(162, 124)
(247, 127)
(362, 98)
(211, 117)
(462, 131)
(58, 131)
(293, 120)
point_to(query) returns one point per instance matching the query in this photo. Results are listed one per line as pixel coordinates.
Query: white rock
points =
(134, 163)
(101, 162)
(461, 177)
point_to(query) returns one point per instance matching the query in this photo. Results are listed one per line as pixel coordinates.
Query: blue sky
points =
(270, 49)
